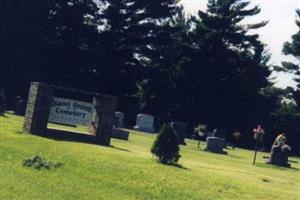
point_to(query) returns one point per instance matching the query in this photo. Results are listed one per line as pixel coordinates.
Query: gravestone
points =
(19, 106)
(280, 152)
(209, 134)
(144, 123)
(119, 117)
(216, 143)
(120, 134)
(219, 133)
(180, 129)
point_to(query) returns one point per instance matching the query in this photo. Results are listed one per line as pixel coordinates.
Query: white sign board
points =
(71, 112)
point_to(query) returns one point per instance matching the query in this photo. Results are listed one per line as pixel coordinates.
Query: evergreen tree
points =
(118, 65)
(134, 34)
(49, 41)
(166, 146)
(286, 118)
(228, 67)
(160, 90)
(293, 48)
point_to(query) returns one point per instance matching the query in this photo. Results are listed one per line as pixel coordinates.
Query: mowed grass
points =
(127, 170)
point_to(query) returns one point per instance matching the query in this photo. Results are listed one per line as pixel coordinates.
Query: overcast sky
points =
(281, 16)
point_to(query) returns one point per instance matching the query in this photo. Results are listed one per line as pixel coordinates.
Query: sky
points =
(281, 16)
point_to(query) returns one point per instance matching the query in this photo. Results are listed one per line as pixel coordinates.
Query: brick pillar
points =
(105, 107)
(38, 107)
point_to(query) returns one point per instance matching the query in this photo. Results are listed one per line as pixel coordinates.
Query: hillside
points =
(127, 170)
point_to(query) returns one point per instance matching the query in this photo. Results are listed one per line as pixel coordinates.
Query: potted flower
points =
(258, 137)
(258, 133)
(237, 137)
(200, 130)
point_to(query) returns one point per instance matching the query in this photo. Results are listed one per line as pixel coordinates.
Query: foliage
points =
(166, 146)
(228, 67)
(293, 48)
(164, 56)
(285, 115)
(2, 102)
(200, 129)
(38, 162)
(285, 119)
(48, 41)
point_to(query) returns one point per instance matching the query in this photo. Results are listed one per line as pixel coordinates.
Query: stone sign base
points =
(120, 134)
(38, 107)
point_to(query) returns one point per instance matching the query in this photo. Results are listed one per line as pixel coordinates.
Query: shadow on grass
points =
(68, 136)
(118, 148)
(176, 165)
(19, 132)
(267, 165)
(233, 155)
(3, 115)
(217, 153)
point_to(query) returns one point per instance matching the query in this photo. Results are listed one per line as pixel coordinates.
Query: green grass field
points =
(127, 170)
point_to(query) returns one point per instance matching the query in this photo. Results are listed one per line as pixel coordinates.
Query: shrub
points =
(2, 102)
(166, 146)
(38, 162)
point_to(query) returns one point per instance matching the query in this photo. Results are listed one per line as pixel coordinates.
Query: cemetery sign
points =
(70, 112)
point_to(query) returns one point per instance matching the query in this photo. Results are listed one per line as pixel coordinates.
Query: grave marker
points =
(144, 123)
(180, 129)
(119, 116)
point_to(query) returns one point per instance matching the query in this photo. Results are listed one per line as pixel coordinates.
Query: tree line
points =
(210, 68)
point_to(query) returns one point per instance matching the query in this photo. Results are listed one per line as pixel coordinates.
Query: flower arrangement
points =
(280, 140)
(237, 135)
(285, 148)
(200, 129)
(258, 133)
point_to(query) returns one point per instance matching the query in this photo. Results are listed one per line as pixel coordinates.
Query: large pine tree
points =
(228, 68)
(48, 41)
(165, 57)
(134, 32)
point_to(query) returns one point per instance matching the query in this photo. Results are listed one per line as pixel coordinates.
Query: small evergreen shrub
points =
(38, 162)
(166, 146)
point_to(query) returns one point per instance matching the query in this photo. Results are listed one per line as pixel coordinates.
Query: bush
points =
(166, 146)
(38, 162)
(2, 102)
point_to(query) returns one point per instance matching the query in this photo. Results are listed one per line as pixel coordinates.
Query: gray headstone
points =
(144, 123)
(119, 116)
(279, 155)
(220, 133)
(215, 144)
(180, 129)
(19, 106)
(209, 134)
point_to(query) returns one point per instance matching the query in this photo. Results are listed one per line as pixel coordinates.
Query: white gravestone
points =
(144, 123)
(119, 116)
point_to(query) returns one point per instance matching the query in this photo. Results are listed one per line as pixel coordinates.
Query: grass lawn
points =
(127, 170)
